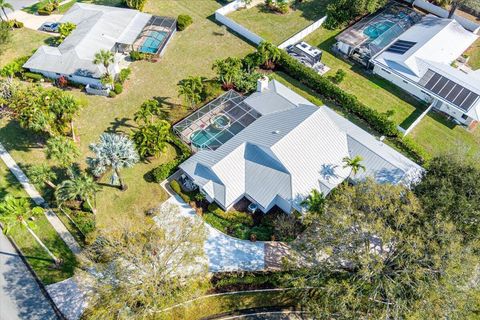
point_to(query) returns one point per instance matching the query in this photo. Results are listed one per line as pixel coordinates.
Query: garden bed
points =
(241, 224)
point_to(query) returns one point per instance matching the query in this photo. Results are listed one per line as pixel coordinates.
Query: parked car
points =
(50, 26)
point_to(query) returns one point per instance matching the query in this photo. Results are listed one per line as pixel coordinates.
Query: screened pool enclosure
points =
(217, 122)
(155, 35)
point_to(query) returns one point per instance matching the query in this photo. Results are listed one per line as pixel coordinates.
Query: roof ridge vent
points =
(276, 132)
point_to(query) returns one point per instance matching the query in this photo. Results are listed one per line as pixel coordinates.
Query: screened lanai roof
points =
(199, 129)
(155, 34)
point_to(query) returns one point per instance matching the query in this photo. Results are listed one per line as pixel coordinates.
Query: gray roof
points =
(98, 27)
(437, 43)
(290, 152)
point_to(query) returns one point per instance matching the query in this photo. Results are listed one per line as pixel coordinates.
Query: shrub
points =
(263, 233)
(14, 68)
(118, 88)
(183, 21)
(112, 94)
(175, 186)
(135, 55)
(15, 24)
(136, 4)
(338, 77)
(231, 215)
(33, 76)
(163, 171)
(216, 222)
(123, 75)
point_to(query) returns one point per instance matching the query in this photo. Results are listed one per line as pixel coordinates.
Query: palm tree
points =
(149, 110)
(5, 5)
(42, 174)
(355, 165)
(269, 53)
(65, 109)
(315, 202)
(80, 187)
(112, 152)
(191, 89)
(62, 150)
(228, 70)
(15, 212)
(105, 58)
(151, 139)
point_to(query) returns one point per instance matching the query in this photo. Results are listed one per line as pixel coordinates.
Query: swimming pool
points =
(153, 41)
(221, 121)
(204, 138)
(375, 30)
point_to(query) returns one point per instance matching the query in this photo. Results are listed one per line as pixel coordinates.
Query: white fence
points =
(417, 121)
(220, 16)
(302, 34)
(467, 24)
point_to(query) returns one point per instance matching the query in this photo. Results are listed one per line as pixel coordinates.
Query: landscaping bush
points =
(216, 222)
(14, 68)
(123, 75)
(32, 76)
(175, 186)
(112, 94)
(183, 21)
(338, 77)
(263, 232)
(15, 24)
(163, 171)
(231, 215)
(118, 88)
(135, 55)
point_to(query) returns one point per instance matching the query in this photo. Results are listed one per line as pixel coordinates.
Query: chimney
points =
(262, 84)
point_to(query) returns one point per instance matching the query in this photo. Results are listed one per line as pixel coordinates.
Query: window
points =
(405, 82)
(464, 116)
(386, 71)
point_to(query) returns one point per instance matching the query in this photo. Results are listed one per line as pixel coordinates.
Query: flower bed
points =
(238, 224)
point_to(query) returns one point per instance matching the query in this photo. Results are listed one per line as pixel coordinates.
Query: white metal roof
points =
(97, 27)
(290, 152)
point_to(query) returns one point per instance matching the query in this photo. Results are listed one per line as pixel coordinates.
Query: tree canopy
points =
(146, 267)
(340, 12)
(374, 253)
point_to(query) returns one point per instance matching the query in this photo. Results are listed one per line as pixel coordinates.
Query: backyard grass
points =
(435, 133)
(190, 52)
(275, 27)
(36, 256)
(211, 306)
(24, 42)
(474, 54)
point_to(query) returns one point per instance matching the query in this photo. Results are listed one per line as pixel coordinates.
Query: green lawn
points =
(435, 133)
(36, 256)
(275, 27)
(191, 52)
(474, 53)
(24, 42)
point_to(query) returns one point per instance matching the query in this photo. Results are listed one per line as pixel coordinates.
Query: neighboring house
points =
(291, 148)
(420, 62)
(98, 28)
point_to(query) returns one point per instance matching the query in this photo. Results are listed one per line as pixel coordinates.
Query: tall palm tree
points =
(42, 174)
(15, 212)
(80, 187)
(315, 202)
(355, 165)
(5, 5)
(63, 150)
(112, 152)
(191, 89)
(105, 58)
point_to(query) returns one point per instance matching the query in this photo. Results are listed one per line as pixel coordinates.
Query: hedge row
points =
(349, 103)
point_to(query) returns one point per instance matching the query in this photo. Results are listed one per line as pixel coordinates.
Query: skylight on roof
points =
(401, 46)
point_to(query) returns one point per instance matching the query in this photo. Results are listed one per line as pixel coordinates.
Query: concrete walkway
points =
(226, 253)
(20, 295)
(32, 21)
(69, 297)
(56, 223)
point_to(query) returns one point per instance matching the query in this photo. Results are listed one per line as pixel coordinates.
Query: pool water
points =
(221, 121)
(375, 30)
(153, 42)
(203, 138)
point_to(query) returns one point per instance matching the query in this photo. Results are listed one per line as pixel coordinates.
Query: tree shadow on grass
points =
(119, 124)
(312, 9)
(13, 137)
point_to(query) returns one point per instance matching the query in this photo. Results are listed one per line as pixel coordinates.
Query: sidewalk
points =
(37, 198)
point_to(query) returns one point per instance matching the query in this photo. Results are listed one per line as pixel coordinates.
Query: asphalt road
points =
(20, 295)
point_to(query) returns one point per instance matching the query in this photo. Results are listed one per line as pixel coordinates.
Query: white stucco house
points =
(290, 148)
(118, 30)
(420, 62)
